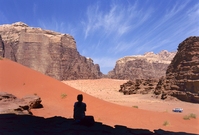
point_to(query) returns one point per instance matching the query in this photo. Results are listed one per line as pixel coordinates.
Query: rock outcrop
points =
(1, 47)
(145, 66)
(11, 104)
(139, 86)
(182, 75)
(51, 53)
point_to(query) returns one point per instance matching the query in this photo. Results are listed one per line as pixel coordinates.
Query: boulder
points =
(11, 104)
(33, 101)
(4, 97)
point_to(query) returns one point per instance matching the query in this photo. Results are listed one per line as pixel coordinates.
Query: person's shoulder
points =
(75, 103)
(84, 103)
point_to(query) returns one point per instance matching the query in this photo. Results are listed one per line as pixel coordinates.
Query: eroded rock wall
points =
(1, 47)
(48, 52)
(145, 66)
(139, 86)
(182, 75)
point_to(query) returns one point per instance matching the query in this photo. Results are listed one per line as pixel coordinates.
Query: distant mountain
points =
(145, 66)
(51, 53)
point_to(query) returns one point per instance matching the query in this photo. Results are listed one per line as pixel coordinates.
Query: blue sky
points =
(106, 30)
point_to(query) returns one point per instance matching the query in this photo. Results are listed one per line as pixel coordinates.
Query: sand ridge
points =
(20, 80)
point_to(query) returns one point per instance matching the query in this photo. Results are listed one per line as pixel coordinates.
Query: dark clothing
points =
(79, 110)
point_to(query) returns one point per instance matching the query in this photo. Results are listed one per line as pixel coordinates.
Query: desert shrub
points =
(63, 95)
(135, 106)
(186, 117)
(1, 58)
(192, 115)
(166, 123)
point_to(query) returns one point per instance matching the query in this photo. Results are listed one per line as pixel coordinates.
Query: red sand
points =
(21, 81)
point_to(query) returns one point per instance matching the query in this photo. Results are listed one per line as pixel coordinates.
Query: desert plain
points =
(108, 90)
(103, 100)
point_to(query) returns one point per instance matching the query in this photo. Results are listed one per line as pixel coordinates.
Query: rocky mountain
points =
(51, 53)
(182, 75)
(145, 66)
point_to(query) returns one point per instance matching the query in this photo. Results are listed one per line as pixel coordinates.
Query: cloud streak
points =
(114, 24)
(115, 21)
(59, 26)
(168, 31)
(3, 19)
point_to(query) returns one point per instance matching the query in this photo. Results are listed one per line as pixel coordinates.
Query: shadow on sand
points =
(11, 124)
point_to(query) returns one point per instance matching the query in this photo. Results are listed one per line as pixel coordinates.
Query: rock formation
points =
(182, 75)
(51, 53)
(11, 104)
(145, 66)
(139, 86)
(1, 47)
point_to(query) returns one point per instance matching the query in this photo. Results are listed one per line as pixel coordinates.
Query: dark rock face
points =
(139, 86)
(11, 104)
(145, 66)
(48, 52)
(182, 75)
(1, 47)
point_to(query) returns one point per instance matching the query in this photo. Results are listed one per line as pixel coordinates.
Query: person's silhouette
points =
(79, 109)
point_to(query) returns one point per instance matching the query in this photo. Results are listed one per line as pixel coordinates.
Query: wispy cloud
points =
(175, 9)
(174, 26)
(105, 62)
(118, 20)
(114, 24)
(193, 14)
(3, 18)
(35, 8)
(167, 18)
(59, 26)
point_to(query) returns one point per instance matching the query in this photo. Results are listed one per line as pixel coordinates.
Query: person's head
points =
(80, 97)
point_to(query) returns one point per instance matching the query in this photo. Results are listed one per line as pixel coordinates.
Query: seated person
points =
(79, 109)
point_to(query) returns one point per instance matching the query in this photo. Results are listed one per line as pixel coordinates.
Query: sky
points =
(107, 30)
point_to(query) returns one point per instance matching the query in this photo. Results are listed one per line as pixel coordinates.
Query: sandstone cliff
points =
(48, 52)
(145, 66)
(182, 75)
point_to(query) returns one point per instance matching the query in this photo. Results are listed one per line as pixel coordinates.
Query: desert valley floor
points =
(104, 102)
(107, 89)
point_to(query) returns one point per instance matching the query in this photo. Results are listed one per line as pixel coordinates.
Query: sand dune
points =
(21, 81)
